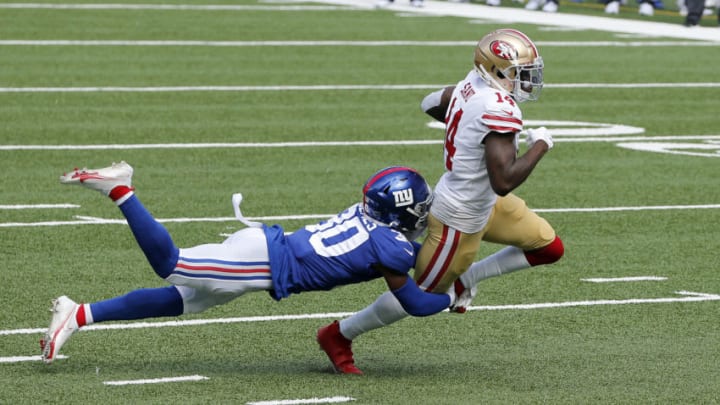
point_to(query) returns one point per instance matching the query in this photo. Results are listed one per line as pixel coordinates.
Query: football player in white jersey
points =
(369, 240)
(473, 198)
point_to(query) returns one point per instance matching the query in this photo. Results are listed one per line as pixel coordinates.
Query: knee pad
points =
(547, 254)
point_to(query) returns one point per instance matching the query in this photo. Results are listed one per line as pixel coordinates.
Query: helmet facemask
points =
(527, 80)
(413, 222)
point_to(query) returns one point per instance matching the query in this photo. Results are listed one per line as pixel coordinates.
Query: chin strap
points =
(236, 201)
(490, 80)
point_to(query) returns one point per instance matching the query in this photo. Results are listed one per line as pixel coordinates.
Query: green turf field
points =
(631, 187)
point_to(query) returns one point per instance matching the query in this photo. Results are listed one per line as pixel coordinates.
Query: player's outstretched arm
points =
(414, 301)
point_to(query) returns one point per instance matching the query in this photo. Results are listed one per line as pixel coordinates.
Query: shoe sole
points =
(47, 344)
(78, 178)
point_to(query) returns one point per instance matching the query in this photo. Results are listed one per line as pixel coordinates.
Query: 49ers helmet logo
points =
(503, 50)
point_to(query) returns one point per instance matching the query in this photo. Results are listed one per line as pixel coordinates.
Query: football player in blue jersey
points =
(369, 240)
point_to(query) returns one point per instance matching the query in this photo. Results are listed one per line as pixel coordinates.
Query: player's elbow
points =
(501, 188)
(436, 103)
(503, 182)
(437, 113)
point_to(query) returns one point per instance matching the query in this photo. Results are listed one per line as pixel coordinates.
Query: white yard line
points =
(198, 43)
(163, 7)
(83, 220)
(332, 87)
(190, 322)
(157, 380)
(222, 145)
(685, 296)
(623, 279)
(562, 136)
(22, 359)
(37, 206)
(631, 208)
(328, 400)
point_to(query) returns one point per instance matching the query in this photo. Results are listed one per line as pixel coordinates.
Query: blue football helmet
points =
(399, 197)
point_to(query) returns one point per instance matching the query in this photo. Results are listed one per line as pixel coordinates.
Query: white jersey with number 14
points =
(463, 195)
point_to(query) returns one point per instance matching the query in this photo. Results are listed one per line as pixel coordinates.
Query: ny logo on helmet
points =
(403, 197)
(503, 50)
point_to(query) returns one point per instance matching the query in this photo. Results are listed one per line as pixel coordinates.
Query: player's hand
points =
(539, 134)
(463, 297)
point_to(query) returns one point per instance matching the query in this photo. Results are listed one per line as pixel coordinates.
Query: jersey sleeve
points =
(500, 114)
(394, 251)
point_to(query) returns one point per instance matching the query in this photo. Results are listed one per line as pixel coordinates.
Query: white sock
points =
(385, 310)
(88, 314)
(124, 198)
(502, 262)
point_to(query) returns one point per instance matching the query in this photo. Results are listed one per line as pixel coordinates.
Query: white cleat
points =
(102, 180)
(646, 9)
(550, 7)
(534, 4)
(62, 325)
(682, 8)
(612, 8)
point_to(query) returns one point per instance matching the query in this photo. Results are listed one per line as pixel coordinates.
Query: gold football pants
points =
(447, 252)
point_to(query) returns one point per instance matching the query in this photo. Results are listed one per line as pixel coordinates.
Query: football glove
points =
(463, 297)
(539, 134)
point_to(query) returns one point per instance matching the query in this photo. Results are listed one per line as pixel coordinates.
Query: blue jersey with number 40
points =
(339, 251)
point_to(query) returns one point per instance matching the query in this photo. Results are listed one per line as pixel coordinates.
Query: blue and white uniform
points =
(338, 251)
(341, 250)
(357, 245)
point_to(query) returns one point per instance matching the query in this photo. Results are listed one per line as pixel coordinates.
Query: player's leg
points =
(115, 182)
(68, 316)
(240, 264)
(531, 241)
(387, 309)
(218, 274)
(205, 276)
(335, 339)
(446, 253)
(444, 259)
(208, 274)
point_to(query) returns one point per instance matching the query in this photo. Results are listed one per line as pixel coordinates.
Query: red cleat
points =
(337, 348)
